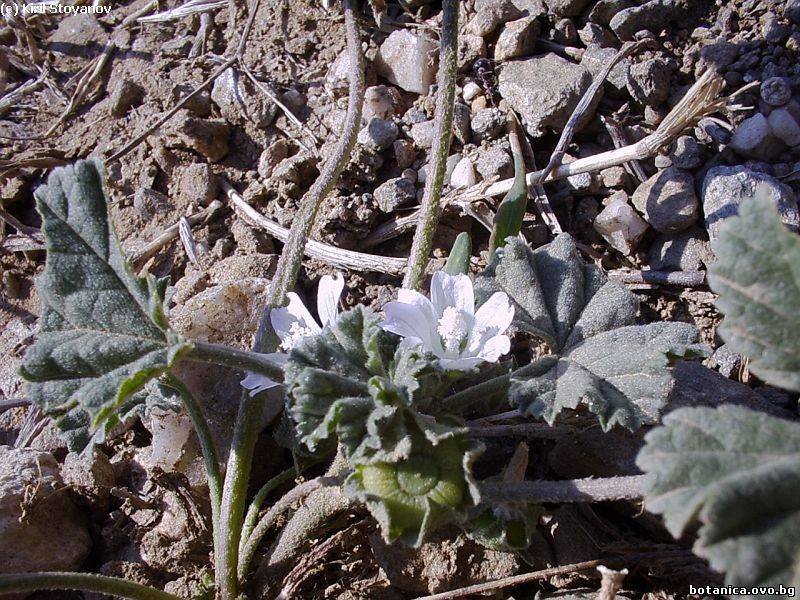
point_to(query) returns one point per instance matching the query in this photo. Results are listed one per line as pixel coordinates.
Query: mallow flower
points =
(448, 326)
(294, 322)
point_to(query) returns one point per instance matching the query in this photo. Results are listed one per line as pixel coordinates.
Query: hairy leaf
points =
(505, 530)
(600, 357)
(737, 472)
(757, 277)
(103, 332)
(430, 487)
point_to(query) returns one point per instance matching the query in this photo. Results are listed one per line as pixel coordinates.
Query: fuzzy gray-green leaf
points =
(620, 370)
(103, 332)
(757, 277)
(737, 472)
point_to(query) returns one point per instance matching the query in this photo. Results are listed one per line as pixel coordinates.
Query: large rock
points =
(653, 15)
(40, 528)
(518, 38)
(544, 90)
(724, 188)
(595, 58)
(668, 200)
(754, 138)
(489, 14)
(408, 60)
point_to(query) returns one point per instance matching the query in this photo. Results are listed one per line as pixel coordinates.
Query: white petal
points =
(283, 317)
(460, 364)
(328, 294)
(495, 347)
(408, 320)
(256, 383)
(416, 299)
(452, 290)
(495, 314)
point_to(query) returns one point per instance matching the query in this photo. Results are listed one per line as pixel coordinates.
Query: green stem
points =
(445, 105)
(251, 518)
(31, 582)
(576, 490)
(209, 450)
(292, 255)
(234, 494)
(462, 401)
(238, 359)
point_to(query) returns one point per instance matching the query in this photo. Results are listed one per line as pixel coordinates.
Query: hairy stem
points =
(209, 450)
(575, 490)
(88, 582)
(235, 358)
(289, 262)
(462, 401)
(251, 518)
(445, 98)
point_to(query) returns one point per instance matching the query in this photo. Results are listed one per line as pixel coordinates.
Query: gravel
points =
(668, 200)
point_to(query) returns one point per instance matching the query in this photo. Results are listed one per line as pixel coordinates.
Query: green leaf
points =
(757, 277)
(429, 488)
(737, 472)
(505, 530)
(621, 370)
(458, 261)
(103, 332)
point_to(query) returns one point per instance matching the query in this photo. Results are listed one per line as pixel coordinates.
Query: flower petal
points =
(255, 383)
(495, 314)
(494, 348)
(283, 317)
(460, 364)
(328, 294)
(452, 290)
(410, 321)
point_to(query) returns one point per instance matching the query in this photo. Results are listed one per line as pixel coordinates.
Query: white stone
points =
(464, 174)
(471, 91)
(337, 78)
(620, 225)
(408, 60)
(170, 431)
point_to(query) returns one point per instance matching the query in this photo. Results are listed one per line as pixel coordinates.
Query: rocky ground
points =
(137, 508)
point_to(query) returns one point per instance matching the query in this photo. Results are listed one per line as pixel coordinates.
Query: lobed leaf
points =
(757, 277)
(737, 472)
(621, 370)
(103, 332)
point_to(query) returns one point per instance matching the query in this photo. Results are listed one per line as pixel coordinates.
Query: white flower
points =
(293, 322)
(448, 325)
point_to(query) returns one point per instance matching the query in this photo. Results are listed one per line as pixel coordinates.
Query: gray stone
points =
(408, 60)
(489, 14)
(652, 15)
(684, 251)
(784, 126)
(604, 10)
(791, 11)
(379, 101)
(422, 134)
(463, 174)
(197, 183)
(544, 90)
(271, 156)
(724, 188)
(40, 527)
(149, 203)
(592, 33)
(470, 48)
(395, 193)
(565, 32)
(518, 38)
(686, 153)
(404, 153)
(125, 94)
(595, 58)
(488, 124)
(668, 200)
(461, 122)
(727, 361)
(648, 81)
(718, 56)
(494, 162)
(567, 8)
(238, 99)
(776, 91)
(753, 138)
(379, 134)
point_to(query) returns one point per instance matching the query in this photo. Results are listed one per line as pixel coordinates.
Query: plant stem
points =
(255, 506)
(209, 450)
(297, 493)
(445, 98)
(290, 259)
(575, 490)
(235, 358)
(113, 586)
(461, 401)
